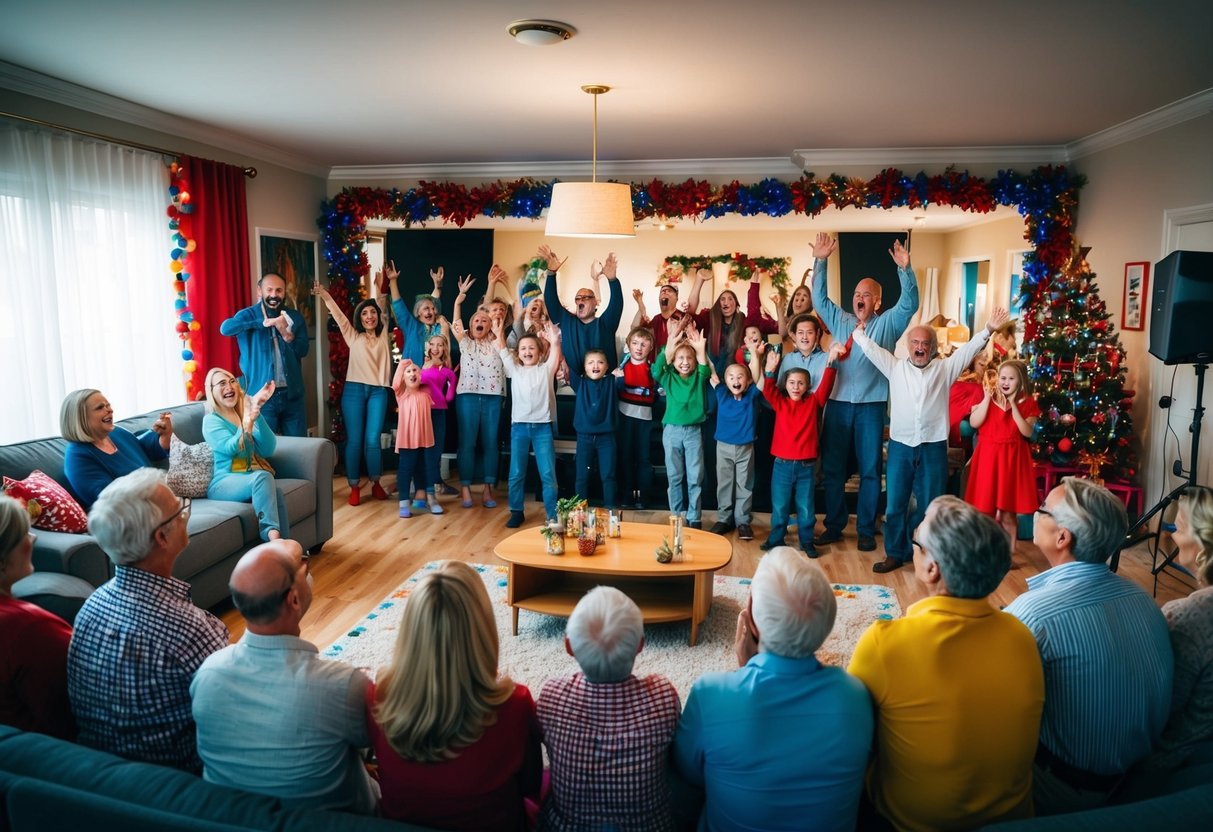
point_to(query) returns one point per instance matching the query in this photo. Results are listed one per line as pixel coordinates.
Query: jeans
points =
(734, 482)
(259, 488)
(286, 417)
(863, 424)
(603, 446)
(433, 454)
(363, 406)
(525, 436)
(477, 415)
(921, 470)
(409, 465)
(635, 446)
(792, 479)
(683, 446)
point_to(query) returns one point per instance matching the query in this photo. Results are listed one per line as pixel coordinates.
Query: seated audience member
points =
(958, 686)
(33, 642)
(458, 746)
(782, 742)
(272, 716)
(98, 452)
(608, 733)
(1106, 651)
(138, 638)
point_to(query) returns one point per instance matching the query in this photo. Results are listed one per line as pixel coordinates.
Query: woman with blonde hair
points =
(241, 440)
(98, 451)
(458, 746)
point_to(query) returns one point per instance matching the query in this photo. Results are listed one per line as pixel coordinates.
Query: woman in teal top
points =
(240, 441)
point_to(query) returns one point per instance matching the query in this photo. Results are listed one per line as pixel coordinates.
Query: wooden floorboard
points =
(373, 550)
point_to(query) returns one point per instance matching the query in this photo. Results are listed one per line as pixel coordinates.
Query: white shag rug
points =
(537, 652)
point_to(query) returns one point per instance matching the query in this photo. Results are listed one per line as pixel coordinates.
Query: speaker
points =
(1181, 308)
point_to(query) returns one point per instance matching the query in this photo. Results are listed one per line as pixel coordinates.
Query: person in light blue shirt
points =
(1105, 647)
(856, 413)
(783, 741)
(805, 331)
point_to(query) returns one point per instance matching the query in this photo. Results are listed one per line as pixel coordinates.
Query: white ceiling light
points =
(591, 209)
(541, 32)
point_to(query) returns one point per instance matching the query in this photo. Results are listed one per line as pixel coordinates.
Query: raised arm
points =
(343, 323)
(701, 275)
(831, 314)
(641, 317)
(613, 313)
(881, 358)
(465, 283)
(555, 356)
(436, 277)
(551, 294)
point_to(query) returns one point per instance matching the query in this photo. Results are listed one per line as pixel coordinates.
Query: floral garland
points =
(181, 225)
(741, 267)
(1046, 197)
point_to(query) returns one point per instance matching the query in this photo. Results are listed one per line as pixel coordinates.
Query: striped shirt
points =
(1108, 665)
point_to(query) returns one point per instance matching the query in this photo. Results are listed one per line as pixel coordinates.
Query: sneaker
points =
(445, 490)
(515, 521)
(827, 537)
(887, 565)
(721, 528)
(404, 510)
(744, 532)
(694, 524)
(768, 544)
(418, 505)
(810, 550)
(355, 496)
(435, 507)
(867, 544)
(377, 491)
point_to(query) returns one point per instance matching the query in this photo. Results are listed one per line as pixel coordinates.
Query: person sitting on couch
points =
(138, 638)
(241, 439)
(272, 716)
(33, 642)
(98, 452)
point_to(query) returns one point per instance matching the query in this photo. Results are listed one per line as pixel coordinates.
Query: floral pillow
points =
(51, 508)
(189, 468)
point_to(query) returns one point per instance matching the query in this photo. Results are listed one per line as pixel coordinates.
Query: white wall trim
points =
(777, 166)
(1175, 218)
(1177, 112)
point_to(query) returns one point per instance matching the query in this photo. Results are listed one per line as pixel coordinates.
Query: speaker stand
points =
(1140, 532)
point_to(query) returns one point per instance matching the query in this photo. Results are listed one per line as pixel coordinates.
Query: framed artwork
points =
(294, 256)
(1137, 296)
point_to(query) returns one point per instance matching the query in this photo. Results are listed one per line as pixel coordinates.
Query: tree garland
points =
(741, 267)
(181, 234)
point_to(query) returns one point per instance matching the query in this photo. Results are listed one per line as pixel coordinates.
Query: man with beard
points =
(580, 330)
(273, 340)
(918, 428)
(668, 312)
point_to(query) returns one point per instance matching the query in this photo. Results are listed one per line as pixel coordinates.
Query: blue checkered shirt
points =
(137, 642)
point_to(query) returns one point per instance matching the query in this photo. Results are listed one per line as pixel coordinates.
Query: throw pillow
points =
(57, 511)
(189, 468)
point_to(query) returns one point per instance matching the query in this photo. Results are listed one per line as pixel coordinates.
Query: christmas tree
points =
(1078, 368)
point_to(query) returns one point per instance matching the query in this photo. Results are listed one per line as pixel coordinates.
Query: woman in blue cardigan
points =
(98, 452)
(240, 441)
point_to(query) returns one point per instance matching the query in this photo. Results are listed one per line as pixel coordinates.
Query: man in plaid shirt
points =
(138, 639)
(607, 732)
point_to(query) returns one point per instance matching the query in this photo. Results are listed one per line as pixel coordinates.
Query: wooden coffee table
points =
(553, 584)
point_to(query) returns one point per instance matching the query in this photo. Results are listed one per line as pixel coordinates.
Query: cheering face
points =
(685, 362)
(412, 375)
(922, 346)
(753, 336)
(427, 313)
(529, 351)
(595, 366)
(980, 363)
(587, 304)
(667, 299)
(736, 379)
(99, 415)
(805, 336)
(536, 314)
(796, 385)
(369, 318)
(435, 349)
(1008, 382)
(728, 304)
(638, 347)
(497, 311)
(802, 300)
(273, 292)
(866, 299)
(480, 326)
(226, 390)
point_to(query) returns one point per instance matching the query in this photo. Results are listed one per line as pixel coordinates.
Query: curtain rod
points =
(250, 172)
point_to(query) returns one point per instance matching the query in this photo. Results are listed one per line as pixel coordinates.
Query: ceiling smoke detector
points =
(540, 32)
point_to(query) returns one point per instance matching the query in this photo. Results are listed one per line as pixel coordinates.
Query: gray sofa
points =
(220, 532)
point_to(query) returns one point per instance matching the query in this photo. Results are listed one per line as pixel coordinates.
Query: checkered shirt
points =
(137, 641)
(608, 746)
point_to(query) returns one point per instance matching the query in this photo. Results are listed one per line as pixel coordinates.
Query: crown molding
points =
(1177, 112)
(27, 81)
(761, 166)
(828, 158)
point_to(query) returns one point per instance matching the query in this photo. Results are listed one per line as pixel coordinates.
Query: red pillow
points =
(57, 511)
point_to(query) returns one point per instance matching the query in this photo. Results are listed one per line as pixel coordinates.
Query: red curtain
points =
(219, 266)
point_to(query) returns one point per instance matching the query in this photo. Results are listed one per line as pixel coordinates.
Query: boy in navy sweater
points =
(595, 418)
(736, 430)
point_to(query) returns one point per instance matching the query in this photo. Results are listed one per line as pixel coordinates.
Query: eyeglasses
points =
(183, 512)
(580, 298)
(914, 542)
(1045, 511)
(222, 383)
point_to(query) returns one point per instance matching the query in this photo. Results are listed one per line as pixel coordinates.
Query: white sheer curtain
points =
(86, 297)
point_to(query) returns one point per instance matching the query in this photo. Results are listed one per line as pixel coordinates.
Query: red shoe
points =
(355, 496)
(377, 491)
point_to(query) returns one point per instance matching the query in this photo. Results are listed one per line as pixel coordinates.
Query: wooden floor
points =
(373, 550)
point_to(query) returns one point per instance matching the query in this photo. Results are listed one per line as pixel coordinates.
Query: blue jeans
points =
(862, 424)
(433, 454)
(602, 445)
(410, 465)
(477, 415)
(259, 488)
(792, 479)
(683, 446)
(921, 470)
(635, 446)
(525, 436)
(286, 417)
(363, 406)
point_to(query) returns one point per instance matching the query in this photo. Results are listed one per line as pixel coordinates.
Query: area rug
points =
(537, 652)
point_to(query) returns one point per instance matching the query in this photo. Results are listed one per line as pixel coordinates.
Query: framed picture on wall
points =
(293, 255)
(1137, 296)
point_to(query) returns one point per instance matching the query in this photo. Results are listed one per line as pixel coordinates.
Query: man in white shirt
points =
(918, 427)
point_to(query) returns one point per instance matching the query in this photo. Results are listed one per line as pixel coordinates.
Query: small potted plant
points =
(554, 538)
(566, 513)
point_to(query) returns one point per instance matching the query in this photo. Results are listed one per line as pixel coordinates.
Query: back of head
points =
(263, 578)
(793, 604)
(605, 630)
(971, 549)
(1095, 517)
(73, 415)
(14, 526)
(441, 689)
(1198, 501)
(125, 516)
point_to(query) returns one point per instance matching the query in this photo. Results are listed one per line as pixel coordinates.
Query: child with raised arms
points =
(682, 369)
(637, 395)
(595, 418)
(414, 430)
(736, 430)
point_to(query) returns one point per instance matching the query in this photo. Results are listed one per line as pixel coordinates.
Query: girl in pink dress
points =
(1001, 482)
(414, 431)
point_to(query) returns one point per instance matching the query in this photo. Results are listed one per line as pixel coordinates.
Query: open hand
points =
(824, 246)
(466, 283)
(550, 258)
(997, 318)
(772, 361)
(900, 255)
(437, 276)
(389, 270)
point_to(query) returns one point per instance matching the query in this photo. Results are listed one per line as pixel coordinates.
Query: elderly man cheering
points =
(581, 330)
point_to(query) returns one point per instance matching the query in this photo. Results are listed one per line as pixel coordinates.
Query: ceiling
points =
(435, 85)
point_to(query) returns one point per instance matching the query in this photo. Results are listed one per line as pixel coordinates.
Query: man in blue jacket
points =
(273, 340)
(581, 331)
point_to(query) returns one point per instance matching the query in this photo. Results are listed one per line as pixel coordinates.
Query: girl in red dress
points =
(1001, 482)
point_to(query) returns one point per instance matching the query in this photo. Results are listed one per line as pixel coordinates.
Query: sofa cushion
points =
(216, 532)
(190, 468)
(57, 511)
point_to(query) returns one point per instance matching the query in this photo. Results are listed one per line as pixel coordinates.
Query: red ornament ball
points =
(1065, 445)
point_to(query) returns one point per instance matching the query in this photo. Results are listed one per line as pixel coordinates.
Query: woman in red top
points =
(458, 747)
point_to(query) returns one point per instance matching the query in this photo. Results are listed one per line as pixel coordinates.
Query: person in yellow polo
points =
(957, 685)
